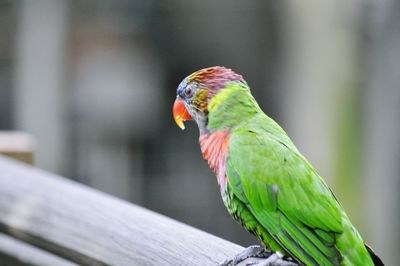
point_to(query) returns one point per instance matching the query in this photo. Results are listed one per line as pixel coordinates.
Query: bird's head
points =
(196, 91)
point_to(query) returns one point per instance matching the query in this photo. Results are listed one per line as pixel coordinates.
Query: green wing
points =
(284, 192)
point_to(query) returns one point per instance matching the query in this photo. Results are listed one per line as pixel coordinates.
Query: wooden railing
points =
(17, 145)
(46, 219)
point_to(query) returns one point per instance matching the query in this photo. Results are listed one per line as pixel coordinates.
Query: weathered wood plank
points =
(92, 228)
(15, 252)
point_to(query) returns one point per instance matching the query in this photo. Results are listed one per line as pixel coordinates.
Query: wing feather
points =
(285, 194)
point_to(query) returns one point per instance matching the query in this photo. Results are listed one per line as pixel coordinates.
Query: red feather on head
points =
(214, 78)
(210, 80)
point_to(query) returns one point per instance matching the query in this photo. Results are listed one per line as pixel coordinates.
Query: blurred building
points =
(94, 82)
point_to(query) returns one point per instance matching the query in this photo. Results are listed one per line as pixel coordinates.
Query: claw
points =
(258, 256)
(251, 251)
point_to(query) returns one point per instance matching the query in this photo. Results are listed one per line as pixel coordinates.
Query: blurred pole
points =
(7, 44)
(309, 91)
(38, 78)
(382, 129)
(116, 95)
(320, 92)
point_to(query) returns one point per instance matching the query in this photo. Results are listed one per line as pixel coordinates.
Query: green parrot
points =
(266, 183)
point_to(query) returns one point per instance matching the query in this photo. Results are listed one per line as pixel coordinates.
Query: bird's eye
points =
(188, 92)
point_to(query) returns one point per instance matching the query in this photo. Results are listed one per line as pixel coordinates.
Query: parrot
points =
(266, 184)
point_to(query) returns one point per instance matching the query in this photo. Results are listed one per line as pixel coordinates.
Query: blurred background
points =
(94, 83)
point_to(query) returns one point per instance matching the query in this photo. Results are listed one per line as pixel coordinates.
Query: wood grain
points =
(89, 227)
(17, 253)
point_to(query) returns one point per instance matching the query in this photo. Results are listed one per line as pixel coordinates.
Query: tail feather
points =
(377, 261)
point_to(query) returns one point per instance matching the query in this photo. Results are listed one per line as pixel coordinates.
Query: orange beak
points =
(180, 113)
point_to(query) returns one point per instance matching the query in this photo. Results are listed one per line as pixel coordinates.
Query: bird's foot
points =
(252, 251)
(258, 256)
